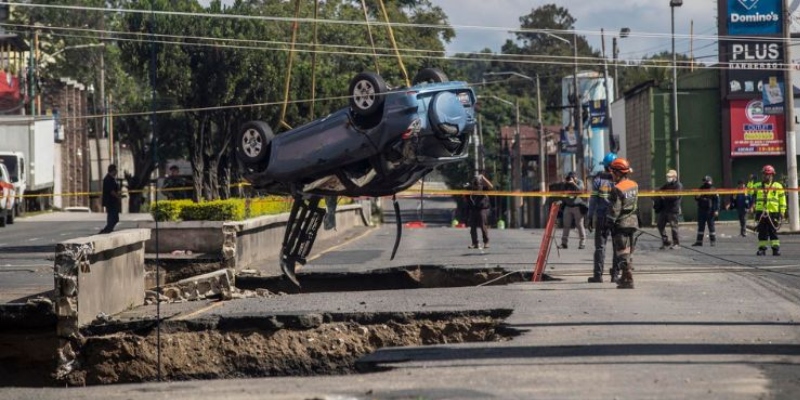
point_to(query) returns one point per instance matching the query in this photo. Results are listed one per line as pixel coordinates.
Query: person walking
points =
(769, 204)
(707, 212)
(478, 204)
(574, 207)
(741, 203)
(112, 199)
(668, 211)
(602, 184)
(622, 219)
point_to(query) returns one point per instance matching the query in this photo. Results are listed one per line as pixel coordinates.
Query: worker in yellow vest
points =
(769, 204)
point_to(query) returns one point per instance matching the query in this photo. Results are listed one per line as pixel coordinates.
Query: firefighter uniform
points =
(622, 219)
(769, 204)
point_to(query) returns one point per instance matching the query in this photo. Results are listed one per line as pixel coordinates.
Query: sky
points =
(485, 24)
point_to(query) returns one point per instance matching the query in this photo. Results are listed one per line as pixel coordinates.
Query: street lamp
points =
(623, 33)
(677, 143)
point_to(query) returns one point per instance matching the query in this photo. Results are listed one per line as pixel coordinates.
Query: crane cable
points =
(371, 39)
(295, 26)
(394, 43)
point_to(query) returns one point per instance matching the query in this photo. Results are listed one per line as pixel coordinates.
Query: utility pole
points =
(791, 134)
(578, 108)
(542, 147)
(615, 54)
(675, 130)
(516, 181)
(612, 142)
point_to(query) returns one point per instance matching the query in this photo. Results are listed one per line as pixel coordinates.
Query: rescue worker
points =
(574, 211)
(707, 212)
(602, 184)
(769, 203)
(622, 219)
(668, 211)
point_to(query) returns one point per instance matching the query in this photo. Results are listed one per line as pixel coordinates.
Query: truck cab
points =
(7, 197)
(14, 163)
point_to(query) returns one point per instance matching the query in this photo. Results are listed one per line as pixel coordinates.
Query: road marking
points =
(33, 239)
(200, 311)
(338, 246)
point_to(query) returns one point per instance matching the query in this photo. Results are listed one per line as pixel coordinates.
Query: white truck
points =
(27, 149)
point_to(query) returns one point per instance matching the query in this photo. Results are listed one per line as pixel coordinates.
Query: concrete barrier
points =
(94, 276)
(239, 244)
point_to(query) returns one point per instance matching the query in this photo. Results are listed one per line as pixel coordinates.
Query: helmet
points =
(620, 165)
(768, 170)
(707, 179)
(672, 174)
(608, 159)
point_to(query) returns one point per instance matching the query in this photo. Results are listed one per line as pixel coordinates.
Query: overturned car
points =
(384, 142)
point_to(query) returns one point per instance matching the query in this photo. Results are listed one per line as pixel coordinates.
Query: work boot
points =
(626, 281)
(697, 244)
(762, 251)
(664, 246)
(776, 251)
(713, 243)
(614, 275)
(595, 279)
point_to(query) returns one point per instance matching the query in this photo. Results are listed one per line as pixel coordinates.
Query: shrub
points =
(224, 210)
(217, 210)
(168, 210)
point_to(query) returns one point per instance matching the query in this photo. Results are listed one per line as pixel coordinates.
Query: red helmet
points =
(620, 165)
(768, 170)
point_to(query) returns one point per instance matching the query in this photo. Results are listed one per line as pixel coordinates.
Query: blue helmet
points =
(608, 159)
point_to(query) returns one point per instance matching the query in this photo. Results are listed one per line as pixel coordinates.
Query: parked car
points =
(383, 143)
(7, 197)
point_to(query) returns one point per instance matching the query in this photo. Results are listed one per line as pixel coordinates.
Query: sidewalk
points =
(702, 323)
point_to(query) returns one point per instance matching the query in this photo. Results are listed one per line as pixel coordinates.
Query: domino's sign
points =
(755, 17)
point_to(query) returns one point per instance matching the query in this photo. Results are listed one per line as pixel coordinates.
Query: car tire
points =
(430, 75)
(253, 142)
(367, 91)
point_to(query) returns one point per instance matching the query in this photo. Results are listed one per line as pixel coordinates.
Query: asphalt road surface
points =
(702, 323)
(27, 248)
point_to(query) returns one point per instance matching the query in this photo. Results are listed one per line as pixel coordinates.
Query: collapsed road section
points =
(277, 345)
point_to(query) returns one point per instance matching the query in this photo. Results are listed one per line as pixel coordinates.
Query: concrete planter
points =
(239, 244)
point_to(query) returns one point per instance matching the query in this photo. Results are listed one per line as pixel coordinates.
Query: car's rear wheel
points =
(253, 142)
(430, 75)
(367, 91)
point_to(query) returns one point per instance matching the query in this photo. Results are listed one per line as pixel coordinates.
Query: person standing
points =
(707, 212)
(478, 204)
(769, 203)
(622, 219)
(669, 210)
(573, 212)
(175, 185)
(741, 203)
(602, 184)
(112, 199)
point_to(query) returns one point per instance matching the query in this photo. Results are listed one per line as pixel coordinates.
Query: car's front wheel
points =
(367, 91)
(253, 142)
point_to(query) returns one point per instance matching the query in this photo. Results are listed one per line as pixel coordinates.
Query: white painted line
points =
(33, 239)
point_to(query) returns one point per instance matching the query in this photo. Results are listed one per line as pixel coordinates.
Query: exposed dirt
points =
(327, 348)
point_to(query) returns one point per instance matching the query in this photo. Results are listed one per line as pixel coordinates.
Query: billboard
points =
(755, 17)
(754, 133)
(752, 64)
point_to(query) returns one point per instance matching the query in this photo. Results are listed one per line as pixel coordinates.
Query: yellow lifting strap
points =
(295, 26)
(371, 39)
(394, 43)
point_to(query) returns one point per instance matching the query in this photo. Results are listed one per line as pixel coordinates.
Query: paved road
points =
(27, 248)
(710, 323)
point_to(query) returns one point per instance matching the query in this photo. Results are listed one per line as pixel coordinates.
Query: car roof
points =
(439, 86)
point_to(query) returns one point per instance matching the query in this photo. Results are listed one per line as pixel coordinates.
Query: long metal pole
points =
(791, 138)
(612, 142)
(615, 53)
(579, 108)
(517, 172)
(675, 132)
(542, 152)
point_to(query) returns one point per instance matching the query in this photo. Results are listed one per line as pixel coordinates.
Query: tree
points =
(657, 68)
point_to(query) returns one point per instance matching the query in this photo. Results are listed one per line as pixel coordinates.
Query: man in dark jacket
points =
(668, 208)
(479, 211)
(602, 185)
(741, 203)
(707, 212)
(112, 199)
(573, 212)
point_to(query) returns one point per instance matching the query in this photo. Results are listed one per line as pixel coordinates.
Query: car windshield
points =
(11, 165)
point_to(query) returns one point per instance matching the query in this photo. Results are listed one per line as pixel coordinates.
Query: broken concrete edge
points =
(34, 314)
(220, 283)
(74, 306)
(277, 321)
